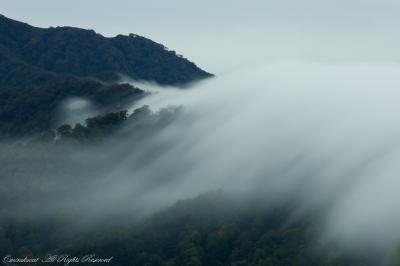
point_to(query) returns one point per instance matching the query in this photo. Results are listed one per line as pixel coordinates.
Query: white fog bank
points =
(325, 136)
(328, 135)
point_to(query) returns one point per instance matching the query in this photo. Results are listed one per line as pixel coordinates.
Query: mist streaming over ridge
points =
(326, 136)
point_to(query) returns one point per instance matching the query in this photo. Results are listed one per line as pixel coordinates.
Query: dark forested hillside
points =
(86, 53)
(41, 68)
(30, 96)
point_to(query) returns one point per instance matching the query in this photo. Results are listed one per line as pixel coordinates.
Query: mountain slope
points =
(85, 53)
(41, 68)
(30, 97)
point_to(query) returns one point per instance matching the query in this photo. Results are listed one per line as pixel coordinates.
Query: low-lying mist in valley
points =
(326, 137)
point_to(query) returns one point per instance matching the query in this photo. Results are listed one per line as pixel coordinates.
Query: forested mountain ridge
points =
(83, 52)
(40, 68)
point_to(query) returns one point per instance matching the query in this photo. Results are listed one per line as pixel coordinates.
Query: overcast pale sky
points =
(227, 34)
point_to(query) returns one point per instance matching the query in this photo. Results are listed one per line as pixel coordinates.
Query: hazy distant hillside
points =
(40, 68)
(207, 230)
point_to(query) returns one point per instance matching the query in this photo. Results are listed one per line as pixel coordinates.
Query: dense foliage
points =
(85, 53)
(102, 126)
(30, 98)
(41, 68)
